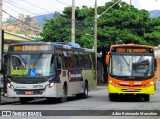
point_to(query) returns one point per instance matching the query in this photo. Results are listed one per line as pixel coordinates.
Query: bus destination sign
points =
(132, 50)
(30, 47)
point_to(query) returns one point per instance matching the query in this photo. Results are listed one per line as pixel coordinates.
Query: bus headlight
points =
(10, 86)
(110, 82)
(114, 84)
(151, 83)
(50, 85)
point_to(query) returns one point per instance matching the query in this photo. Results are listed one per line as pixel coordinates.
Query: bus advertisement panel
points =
(131, 70)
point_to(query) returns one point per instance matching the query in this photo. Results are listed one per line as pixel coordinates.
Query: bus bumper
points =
(130, 90)
(27, 91)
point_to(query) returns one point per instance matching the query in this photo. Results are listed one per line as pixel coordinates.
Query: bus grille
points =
(28, 80)
(129, 85)
(131, 90)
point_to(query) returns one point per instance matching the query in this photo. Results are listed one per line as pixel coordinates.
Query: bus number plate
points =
(28, 92)
(130, 89)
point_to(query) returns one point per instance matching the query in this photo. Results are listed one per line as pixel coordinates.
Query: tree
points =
(121, 24)
(10, 20)
(59, 29)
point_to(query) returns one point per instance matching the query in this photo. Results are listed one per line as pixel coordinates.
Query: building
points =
(14, 38)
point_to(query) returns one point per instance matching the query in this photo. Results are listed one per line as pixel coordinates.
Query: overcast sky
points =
(36, 7)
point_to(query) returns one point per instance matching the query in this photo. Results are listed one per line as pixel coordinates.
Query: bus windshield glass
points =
(32, 65)
(125, 65)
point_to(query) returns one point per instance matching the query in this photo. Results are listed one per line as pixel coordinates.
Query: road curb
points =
(5, 100)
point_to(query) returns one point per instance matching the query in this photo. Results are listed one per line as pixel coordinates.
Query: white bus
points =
(41, 69)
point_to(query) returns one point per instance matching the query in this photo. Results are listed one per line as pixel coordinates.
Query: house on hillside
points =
(25, 26)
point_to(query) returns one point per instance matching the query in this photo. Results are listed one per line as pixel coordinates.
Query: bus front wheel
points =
(112, 97)
(24, 100)
(85, 94)
(146, 97)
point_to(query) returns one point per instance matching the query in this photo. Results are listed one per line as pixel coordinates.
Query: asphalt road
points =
(96, 104)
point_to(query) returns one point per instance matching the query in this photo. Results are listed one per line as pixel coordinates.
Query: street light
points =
(96, 16)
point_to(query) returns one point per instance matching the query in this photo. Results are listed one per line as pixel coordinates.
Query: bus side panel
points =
(89, 75)
(73, 86)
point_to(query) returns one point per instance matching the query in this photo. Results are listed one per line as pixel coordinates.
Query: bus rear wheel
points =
(85, 93)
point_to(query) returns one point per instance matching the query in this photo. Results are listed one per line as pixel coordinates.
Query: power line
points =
(23, 8)
(63, 3)
(12, 9)
(27, 9)
(20, 20)
(37, 6)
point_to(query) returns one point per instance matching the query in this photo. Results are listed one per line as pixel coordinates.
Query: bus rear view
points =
(131, 70)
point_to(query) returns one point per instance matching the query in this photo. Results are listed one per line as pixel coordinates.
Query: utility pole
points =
(130, 2)
(95, 36)
(1, 50)
(1, 35)
(73, 21)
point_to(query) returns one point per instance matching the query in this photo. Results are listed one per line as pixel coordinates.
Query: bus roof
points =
(131, 45)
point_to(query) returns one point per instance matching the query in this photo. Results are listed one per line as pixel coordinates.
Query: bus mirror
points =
(107, 58)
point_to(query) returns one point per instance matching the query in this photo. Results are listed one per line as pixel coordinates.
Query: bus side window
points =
(81, 61)
(76, 61)
(70, 63)
(64, 62)
(87, 61)
(59, 59)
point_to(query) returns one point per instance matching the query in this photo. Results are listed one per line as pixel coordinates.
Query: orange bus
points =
(131, 71)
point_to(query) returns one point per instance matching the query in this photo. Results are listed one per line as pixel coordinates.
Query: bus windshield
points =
(136, 65)
(32, 65)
